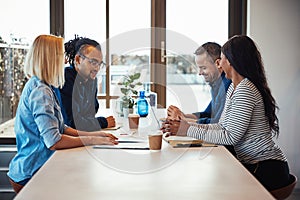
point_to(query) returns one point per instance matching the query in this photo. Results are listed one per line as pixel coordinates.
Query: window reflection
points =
(16, 16)
(194, 23)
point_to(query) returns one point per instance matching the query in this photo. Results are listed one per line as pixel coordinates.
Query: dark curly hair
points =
(72, 47)
(243, 55)
(70, 50)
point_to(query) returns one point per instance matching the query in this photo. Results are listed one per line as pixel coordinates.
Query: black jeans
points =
(230, 148)
(272, 174)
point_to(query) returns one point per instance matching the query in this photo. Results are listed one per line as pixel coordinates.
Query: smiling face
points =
(207, 68)
(88, 62)
(225, 64)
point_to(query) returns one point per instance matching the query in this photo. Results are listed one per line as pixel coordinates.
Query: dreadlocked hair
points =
(70, 51)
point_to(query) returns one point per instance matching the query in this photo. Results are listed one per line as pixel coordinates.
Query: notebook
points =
(183, 141)
(113, 128)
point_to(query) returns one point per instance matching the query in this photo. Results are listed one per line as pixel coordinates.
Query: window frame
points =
(237, 24)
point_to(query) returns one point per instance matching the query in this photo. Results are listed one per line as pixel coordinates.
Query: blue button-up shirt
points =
(38, 126)
(215, 108)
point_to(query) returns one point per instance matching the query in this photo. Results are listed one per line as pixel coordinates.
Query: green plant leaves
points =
(135, 76)
(128, 102)
(129, 83)
(125, 91)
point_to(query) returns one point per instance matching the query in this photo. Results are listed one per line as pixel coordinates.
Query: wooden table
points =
(172, 173)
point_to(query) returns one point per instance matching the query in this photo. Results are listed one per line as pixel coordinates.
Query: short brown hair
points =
(212, 49)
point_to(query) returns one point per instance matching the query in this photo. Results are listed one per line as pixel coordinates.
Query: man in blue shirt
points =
(207, 59)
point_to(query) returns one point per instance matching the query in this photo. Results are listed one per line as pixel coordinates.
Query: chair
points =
(284, 192)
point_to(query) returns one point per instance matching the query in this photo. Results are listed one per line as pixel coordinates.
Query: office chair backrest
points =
(284, 192)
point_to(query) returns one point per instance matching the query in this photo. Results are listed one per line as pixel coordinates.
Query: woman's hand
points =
(68, 141)
(105, 140)
(110, 136)
(175, 127)
(104, 134)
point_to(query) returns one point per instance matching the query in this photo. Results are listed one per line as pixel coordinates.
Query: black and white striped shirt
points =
(243, 124)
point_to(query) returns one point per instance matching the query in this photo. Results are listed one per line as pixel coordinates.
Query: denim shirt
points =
(214, 110)
(38, 126)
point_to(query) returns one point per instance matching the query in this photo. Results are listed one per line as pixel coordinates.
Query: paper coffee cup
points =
(155, 140)
(133, 120)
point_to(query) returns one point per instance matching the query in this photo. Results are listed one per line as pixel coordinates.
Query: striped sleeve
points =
(234, 122)
(243, 124)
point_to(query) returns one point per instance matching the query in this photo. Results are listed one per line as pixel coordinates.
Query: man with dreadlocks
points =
(79, 94)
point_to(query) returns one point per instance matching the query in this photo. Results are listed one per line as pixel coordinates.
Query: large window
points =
(85, 18)
(129, 40)
(21, 22)
(127, 24)
(189, 24)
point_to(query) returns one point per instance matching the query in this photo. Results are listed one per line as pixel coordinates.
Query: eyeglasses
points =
(93, 62)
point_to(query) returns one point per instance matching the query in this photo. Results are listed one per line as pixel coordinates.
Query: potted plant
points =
(128, 88)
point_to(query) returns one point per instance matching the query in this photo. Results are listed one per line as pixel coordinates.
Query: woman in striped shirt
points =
(248, 121)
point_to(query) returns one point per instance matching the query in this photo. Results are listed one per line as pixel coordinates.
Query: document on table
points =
(127, 143)
(187, 119)
(112, 128)
(183, 141)
(128, 146)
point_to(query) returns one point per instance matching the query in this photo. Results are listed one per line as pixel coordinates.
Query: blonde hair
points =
(45, 60)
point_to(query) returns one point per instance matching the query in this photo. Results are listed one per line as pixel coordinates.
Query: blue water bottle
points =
(142, 105)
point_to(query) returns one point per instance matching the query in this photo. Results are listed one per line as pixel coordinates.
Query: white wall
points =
(275, 27)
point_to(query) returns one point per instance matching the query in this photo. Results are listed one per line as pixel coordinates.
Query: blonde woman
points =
(39, 124)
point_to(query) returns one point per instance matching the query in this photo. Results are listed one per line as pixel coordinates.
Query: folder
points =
(183, 141)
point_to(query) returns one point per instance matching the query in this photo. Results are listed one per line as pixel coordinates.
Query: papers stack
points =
(183, 141)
